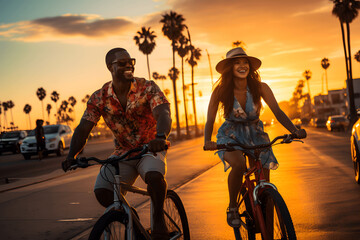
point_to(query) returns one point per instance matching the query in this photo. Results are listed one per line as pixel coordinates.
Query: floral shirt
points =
(133, 126)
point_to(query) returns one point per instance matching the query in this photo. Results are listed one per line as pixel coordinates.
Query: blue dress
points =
(246, 128)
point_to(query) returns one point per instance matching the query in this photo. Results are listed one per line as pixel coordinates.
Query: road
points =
(314, 178)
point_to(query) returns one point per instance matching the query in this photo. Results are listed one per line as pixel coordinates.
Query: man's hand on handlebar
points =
(300, 133)
(210, 145)
(158, 145)
(67, 163)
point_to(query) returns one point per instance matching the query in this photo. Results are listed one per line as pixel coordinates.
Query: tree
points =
(325, 64)
(294, 101)
(41, 94)
(146, 42)
(173, 25)
(195, 54)
(307, 74)
(239, 44)
(72, 102)
(85, 99)
(11, 105)
(357, 56)
(183, 49)
(55, 97)
(5, 107)
(347, 11)
(27, 110)
(62, 115)
(48, 109)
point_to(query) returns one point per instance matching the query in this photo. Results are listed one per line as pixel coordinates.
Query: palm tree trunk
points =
(193, 98)
(184, 96)
(148, 65)
(175, 96)
(12, 118)
(30, 121)
(42, 107)
(326, 79)
(344, 45)
(5, 121)
(350, 82)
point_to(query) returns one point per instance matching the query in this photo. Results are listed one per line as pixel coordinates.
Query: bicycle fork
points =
(257, 207)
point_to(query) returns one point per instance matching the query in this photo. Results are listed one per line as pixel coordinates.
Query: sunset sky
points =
(61, 45)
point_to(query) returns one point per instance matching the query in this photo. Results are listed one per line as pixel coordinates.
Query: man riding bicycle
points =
(137, 112)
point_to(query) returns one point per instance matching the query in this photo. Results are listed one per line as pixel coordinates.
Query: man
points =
(40, 138)
(137, 112)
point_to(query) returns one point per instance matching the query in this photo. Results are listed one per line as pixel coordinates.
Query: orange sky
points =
(61, 46)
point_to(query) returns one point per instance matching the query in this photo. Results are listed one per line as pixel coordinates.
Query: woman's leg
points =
(237, 162)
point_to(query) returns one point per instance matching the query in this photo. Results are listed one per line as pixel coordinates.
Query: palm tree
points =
(5, 107)
(27, 110)
(183, 49)
(347, 11)
(146, 42)
(72, 102)
(239, 44)
(48, 109)
(325, 64)
(85, 99)
(211, 74)
(0, 116)
(357, 56)
(10, 105)
(55, 97)
(307, 74)
(195, 54)
(172, 28)
(41, 93)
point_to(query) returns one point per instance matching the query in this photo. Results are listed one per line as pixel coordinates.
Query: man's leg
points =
(157, 187)
(104, 190)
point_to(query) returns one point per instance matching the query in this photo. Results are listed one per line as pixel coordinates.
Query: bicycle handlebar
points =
(287, 138)
(83, 162)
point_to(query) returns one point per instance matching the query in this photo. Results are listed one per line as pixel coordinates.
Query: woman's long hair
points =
(224, 88)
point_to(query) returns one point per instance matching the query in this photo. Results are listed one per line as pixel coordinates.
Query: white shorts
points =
(130, 170)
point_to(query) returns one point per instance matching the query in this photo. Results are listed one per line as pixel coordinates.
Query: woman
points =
(40, 138)
(239, 90)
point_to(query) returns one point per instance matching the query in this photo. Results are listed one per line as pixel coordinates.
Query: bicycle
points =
(120, 220)
(261, 207)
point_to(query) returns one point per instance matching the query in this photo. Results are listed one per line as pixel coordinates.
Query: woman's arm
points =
(211, 116)
(269, 98)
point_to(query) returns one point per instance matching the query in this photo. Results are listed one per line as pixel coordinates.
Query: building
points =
(334, 103)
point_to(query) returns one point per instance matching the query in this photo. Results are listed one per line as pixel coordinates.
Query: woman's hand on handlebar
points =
(300, 133)
(210, 145)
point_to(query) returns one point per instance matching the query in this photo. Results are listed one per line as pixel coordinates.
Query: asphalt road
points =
(315, 179)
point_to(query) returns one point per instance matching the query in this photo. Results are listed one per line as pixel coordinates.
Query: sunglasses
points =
(124, 62)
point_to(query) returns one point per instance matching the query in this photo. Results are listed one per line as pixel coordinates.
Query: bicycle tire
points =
(116, 222)
(277, 217)
(175, 208)
(247, 229)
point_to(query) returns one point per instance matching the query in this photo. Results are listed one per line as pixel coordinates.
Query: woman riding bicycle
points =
(239, 90)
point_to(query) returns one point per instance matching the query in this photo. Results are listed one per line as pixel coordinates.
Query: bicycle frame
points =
(122, 203)
(253, 191)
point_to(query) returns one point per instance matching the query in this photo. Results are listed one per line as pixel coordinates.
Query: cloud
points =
(64, 26)
(323, 9)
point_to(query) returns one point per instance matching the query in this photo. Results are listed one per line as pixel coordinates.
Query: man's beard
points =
(121, 75)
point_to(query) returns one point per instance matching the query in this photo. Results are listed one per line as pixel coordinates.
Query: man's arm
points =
(78, 141)
(161, 114)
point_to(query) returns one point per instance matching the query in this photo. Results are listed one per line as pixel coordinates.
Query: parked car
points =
(11, 141)
(57, 138)
(355, 146)
(338, 122)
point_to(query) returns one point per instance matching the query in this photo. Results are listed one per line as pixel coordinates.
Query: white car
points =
(57, 138)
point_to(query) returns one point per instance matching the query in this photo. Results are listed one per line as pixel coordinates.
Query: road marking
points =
(75, 220)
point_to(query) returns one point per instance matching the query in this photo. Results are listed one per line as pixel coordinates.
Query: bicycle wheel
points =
(247, 228)
(175, 216)
(112, 226)
(277, 218)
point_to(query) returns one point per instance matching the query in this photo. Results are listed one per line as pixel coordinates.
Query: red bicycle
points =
(261, 207)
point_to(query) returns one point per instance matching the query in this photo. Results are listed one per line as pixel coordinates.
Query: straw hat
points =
(236, 53)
